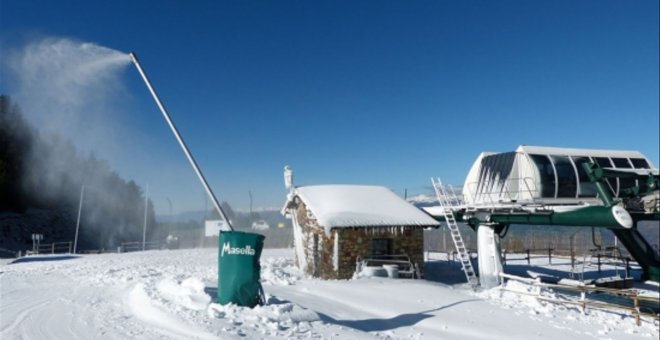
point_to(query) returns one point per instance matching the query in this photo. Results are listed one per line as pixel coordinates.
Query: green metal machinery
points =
(621, 215)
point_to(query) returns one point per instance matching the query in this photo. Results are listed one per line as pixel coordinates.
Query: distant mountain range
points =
(423, 200)
(273, 217)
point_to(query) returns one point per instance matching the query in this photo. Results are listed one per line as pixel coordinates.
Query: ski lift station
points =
(551, 176)
(554, 186)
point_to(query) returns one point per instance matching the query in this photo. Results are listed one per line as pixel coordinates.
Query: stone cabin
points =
(337, 225)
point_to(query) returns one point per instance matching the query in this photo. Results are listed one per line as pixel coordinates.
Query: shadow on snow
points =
(381, 324)
(366, 325)
(44, 258)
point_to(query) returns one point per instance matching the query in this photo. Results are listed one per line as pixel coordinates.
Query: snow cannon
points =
(238, 252)
(182, 143)
(239, 270)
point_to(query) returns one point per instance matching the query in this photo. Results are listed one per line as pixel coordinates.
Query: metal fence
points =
(52, 248)
(626, 300)
(126, 247)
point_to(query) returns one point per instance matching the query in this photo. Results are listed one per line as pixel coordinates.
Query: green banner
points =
(239, 268)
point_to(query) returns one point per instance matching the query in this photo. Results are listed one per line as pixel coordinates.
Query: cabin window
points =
(603, 162)
(546, 175)
(566, 177)
(640, 163)
(612, 183)
(585, 188)
(621, 163)
(624, 183)
(381, 246)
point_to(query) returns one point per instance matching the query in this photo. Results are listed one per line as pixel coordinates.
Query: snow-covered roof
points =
(578, 152)
(337, 206)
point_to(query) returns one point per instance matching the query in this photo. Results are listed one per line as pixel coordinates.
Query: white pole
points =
(144, 226)
(206, 212)
(192, 161)
(75, 241)
(169, 225)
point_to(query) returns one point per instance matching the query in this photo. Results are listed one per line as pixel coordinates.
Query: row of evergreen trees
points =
(46, 172)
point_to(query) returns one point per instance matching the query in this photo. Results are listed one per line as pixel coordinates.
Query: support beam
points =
(610, 217)
(641, 251)
(490, 256)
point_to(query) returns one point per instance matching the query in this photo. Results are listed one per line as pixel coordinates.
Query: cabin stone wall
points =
(354, 243)
(318, 246)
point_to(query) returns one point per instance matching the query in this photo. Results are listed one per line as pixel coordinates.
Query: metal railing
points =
(529, 255)
(402, 261)
(450, 255)
(52, 248)
(7, 251)
(631, 296)
(126, 247)
(494, 193)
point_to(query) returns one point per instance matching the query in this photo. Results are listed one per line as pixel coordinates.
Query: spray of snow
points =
(68, 87)
(70, 91)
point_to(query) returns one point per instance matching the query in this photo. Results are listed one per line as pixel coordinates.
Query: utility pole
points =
(75, 241)
(146, 209)
(204, 218)
(250, 193)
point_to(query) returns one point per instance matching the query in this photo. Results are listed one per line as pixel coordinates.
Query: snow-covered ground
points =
(169, 295)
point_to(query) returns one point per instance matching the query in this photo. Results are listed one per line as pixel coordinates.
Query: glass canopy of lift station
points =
(545, 174)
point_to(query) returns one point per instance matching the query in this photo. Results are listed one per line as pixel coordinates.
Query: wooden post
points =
(572, 252)
(598, 255)
(636, 311)
(52, 249)
(572, 259)
(529, 260)
(549, 255)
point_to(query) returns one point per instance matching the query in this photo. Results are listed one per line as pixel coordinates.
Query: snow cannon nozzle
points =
(133, 57)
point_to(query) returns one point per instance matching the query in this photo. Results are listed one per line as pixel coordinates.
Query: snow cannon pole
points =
(181, 142)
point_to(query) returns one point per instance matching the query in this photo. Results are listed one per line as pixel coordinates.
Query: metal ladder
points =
(448, 200)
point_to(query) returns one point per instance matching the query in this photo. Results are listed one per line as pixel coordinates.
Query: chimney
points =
(288, 178)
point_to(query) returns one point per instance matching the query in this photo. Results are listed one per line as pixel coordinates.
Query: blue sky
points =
(373, 92)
